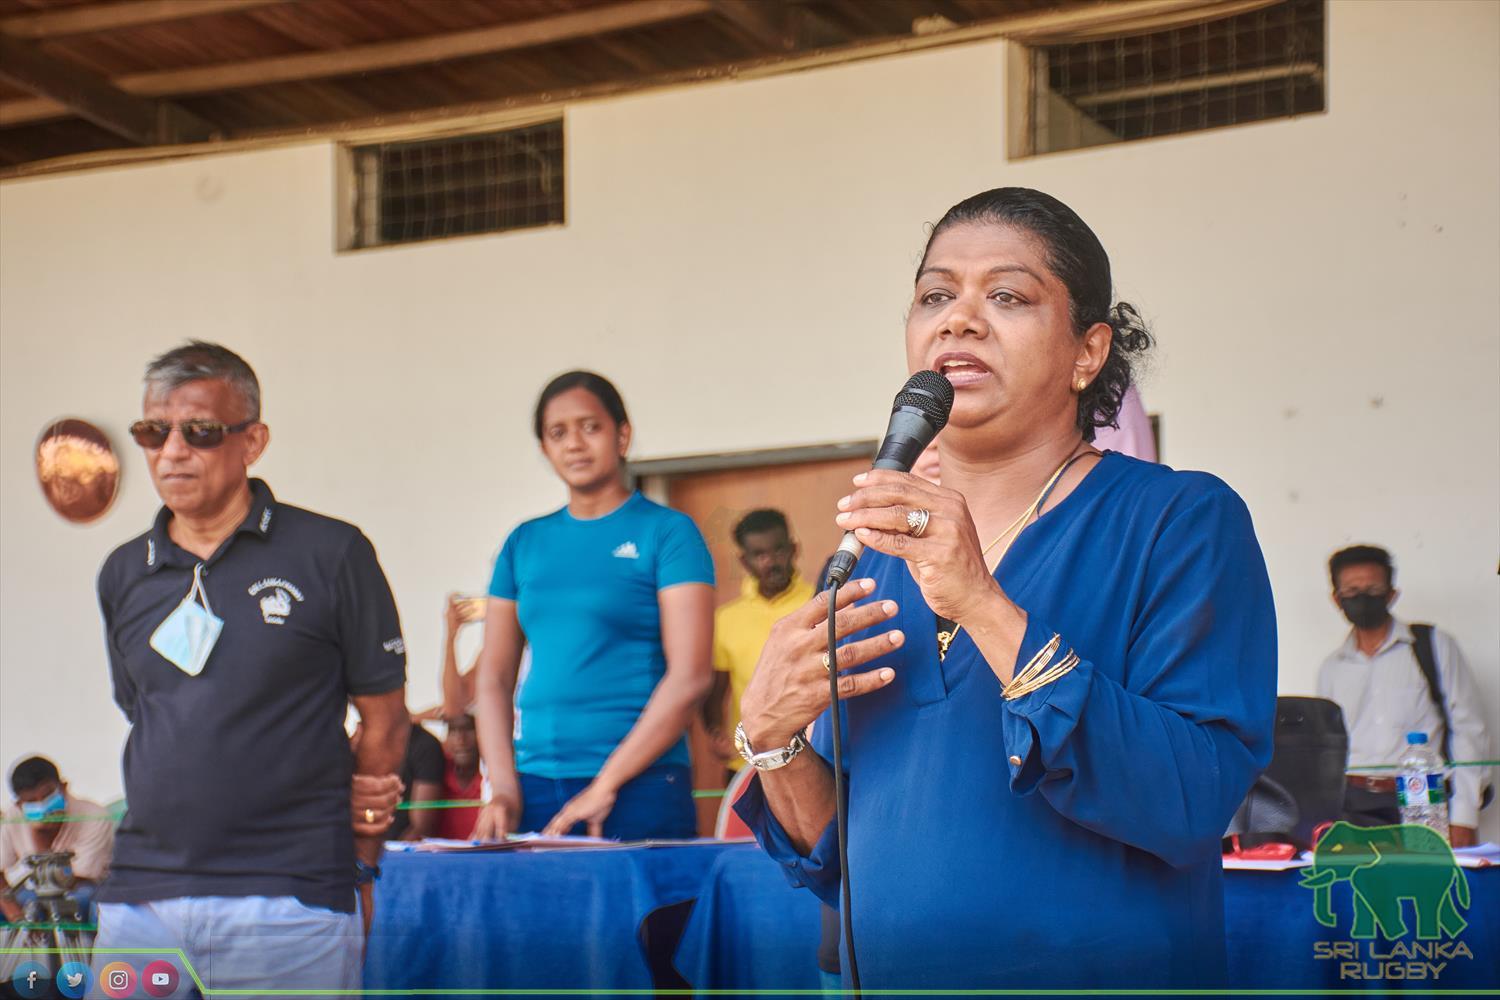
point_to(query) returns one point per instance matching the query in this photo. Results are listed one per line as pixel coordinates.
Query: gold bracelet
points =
(1035, 665)
(1038, 663)
(1066, 664)
(1052, 674)
(1021, 689)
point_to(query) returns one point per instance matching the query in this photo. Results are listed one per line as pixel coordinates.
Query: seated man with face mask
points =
(1376, 676)
(55, 821)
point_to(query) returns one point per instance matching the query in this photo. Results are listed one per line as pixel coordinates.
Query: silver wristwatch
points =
(768, 760)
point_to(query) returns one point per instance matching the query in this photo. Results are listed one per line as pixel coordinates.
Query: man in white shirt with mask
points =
(1377, 679)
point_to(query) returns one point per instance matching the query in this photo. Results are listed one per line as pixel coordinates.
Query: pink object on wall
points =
(1133, 437)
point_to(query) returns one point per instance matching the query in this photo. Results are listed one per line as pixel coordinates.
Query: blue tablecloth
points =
(751, 930)
(549, 920)
(721, 916)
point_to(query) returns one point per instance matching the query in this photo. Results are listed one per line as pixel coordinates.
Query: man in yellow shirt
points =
(772, 590)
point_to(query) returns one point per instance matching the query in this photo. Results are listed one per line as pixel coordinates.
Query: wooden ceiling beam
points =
(630, 55)
(24, 110)
(877, 20)
(144, 122)
(91, 18)
(765, 21)
(533, 77)
(820, 28)
(380, 56)
(952, 10)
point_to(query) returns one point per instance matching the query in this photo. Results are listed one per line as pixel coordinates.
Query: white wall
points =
(1323, 289)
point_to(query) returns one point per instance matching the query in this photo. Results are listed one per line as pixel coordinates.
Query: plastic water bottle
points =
(1419, 789)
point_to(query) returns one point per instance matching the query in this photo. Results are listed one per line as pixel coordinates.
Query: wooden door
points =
(806, 493)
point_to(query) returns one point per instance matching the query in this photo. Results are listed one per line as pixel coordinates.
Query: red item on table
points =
(1275, 851)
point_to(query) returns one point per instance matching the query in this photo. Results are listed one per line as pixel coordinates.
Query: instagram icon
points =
(117, 980)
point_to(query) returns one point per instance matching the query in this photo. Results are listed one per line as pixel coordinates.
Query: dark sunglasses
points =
(153, 434)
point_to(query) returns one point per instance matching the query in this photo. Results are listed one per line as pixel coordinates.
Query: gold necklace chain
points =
(945, 638)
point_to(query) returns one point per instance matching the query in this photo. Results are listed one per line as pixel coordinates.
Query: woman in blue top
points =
(1068, 673)
(614, 595)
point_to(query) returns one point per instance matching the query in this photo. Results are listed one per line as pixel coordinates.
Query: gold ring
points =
(827, 663)
(916, 521)
(369, 815)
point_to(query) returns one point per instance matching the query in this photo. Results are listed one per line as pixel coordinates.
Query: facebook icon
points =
(31, 980)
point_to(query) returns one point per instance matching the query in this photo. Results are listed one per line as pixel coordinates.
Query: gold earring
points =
(1081, 384)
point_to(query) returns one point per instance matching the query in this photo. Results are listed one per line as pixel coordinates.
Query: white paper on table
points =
(537, 842)
(1266, 865)
(1479, 856)
(514, 842)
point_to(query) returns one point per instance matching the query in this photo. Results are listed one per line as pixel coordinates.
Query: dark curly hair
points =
(1078, 259)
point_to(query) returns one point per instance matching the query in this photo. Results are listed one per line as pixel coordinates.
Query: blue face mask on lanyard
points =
(36, 811)
(188, 634)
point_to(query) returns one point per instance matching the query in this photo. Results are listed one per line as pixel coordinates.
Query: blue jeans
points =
(656, 804)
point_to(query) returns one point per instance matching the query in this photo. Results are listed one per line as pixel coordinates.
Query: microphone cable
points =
(920, 411)
(841, 814)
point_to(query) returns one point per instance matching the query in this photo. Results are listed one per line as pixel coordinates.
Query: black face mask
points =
(1365, 611)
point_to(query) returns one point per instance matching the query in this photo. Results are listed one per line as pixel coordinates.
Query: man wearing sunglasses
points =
(239, 629)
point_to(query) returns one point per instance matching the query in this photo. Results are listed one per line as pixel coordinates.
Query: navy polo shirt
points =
(237, 779)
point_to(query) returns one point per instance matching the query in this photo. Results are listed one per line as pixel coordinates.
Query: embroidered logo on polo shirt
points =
(397, 646)
(265, 520)
(277, 605)
(627, 551)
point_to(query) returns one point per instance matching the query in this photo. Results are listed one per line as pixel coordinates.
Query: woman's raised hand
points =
(789, 688)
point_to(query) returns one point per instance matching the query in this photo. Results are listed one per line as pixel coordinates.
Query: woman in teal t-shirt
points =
(614, 594)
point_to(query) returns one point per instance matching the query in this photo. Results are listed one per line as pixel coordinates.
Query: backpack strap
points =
(1426, 659)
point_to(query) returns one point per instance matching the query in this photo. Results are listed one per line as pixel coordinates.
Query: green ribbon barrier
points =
(698, 793)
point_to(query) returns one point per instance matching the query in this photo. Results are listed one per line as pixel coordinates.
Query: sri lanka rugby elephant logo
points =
(1386, 865)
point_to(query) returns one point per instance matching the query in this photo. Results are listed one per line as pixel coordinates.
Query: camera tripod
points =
(53, 931)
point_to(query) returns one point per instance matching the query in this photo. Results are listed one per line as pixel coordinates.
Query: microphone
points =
(920, 411)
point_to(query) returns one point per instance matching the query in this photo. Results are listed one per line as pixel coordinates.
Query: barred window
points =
(405, 192)
(1262, 64)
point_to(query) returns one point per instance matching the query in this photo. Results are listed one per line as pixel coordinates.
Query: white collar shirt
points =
(1384, 697)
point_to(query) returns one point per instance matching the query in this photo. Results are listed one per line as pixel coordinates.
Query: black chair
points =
(1304, 785)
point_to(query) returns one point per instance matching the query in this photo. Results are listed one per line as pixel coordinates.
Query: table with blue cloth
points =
(523, 920)
(721, 916)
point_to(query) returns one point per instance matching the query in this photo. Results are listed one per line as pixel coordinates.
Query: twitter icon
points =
(73, 980)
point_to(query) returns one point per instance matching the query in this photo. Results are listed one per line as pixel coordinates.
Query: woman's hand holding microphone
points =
(929, 527)
(932, 530)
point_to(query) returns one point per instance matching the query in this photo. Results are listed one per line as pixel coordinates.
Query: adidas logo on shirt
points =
(627, 551)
